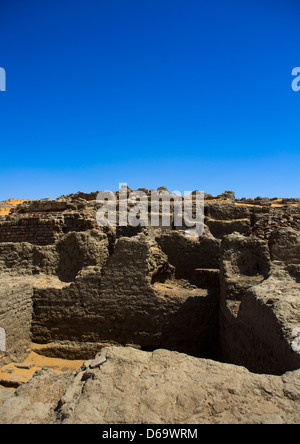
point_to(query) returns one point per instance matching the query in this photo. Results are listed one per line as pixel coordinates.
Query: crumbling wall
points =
(285, 245)
(155, 288)
(121, 303)
(77, 250)
(15, 316)
(65, 259)
(257, 308)
(186, 255)
(25, 258)
(226, 218)
(43, 229)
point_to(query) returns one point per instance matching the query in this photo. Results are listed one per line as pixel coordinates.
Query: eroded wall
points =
(259, 308)
(151, 288)
(15, 316)
(123, 303)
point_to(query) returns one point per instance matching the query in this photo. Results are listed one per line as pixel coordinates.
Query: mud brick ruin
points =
(231, 297)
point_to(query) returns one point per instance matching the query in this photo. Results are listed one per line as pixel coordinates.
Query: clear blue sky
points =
(188, 94)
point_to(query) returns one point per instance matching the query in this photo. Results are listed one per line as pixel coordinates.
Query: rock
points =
(4, 395)
(99, 360)
(163, 189)
(296, 345)
(34, 402)
(266, 220)
(24, 365)
(227, 195)
(166, 387)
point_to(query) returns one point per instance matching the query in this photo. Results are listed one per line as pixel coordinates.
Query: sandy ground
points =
(178, 289)
(276, 203)
(15, 374)
(7, 205)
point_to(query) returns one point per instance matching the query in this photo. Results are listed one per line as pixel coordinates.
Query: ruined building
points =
(70, 288)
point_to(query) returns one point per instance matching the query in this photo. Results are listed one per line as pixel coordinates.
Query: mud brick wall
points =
(254, 306)
(78, 222)
(32, 230)
(121, 305)
(41, 230)
(16, 314)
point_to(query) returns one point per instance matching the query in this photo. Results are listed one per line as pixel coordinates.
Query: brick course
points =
(40, 230)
